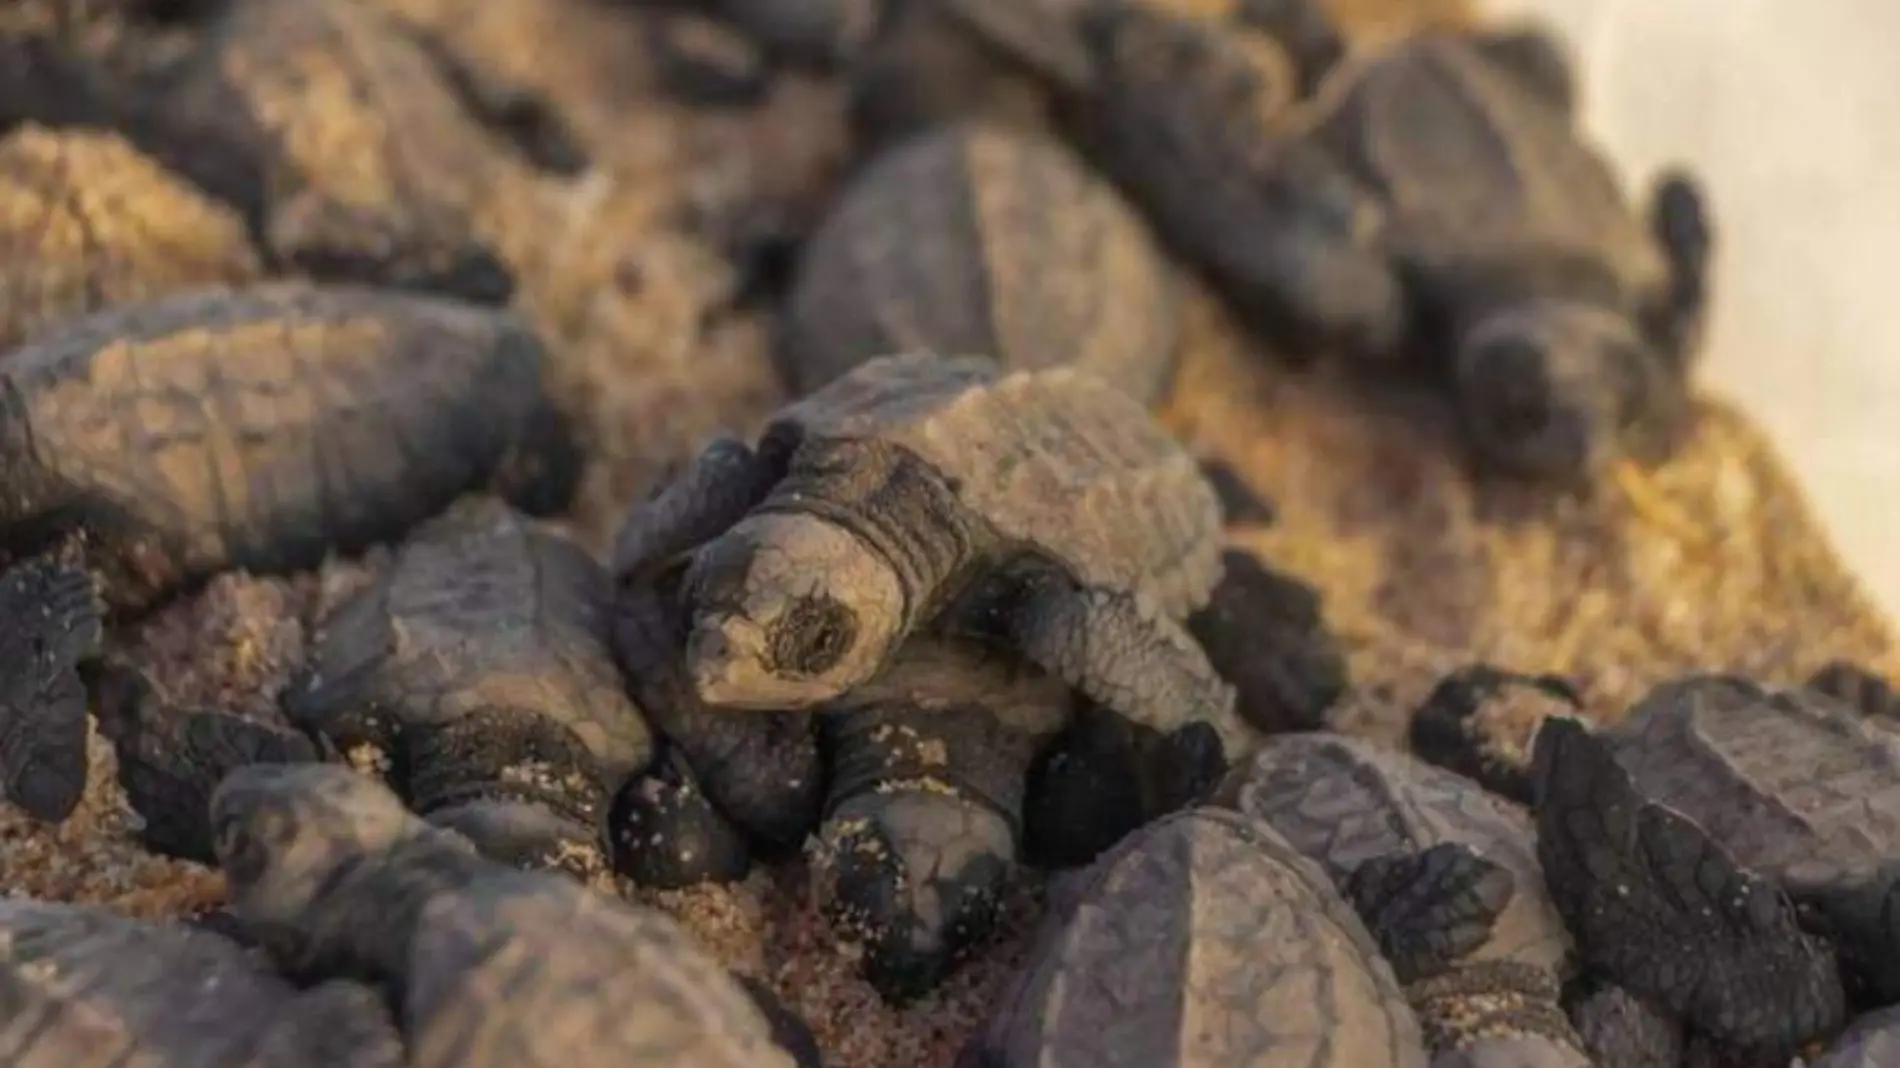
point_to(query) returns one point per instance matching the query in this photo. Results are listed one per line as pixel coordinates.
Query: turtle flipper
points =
(1430, 908)
(1660, 907)
(1680, 224)
(715, 491)
(50, 622)
(1120, 651)
(668, 835)
(172, 758)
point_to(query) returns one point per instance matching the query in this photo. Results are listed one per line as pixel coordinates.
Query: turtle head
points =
(788, 611)
(1548, 390)
(285, 832)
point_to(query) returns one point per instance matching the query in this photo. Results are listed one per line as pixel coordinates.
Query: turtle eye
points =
(814, 636)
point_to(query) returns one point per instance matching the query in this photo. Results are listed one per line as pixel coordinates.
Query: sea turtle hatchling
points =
(260, 429)
(1725, 849)
(1203, 940)
(493, 966)
(341, 138)
(1445, 875)
(1434, 197)
(82, 985)
(87, 221)
(1043, 510)
(479, 663)
(975, 238)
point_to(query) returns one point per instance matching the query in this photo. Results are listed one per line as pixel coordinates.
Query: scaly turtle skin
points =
(86, 222)
(923, 818)
(1623, 1030)
(341, 139)
(1722, 850)
(81, 985)
(480, 663)
(1434, 197)
(50, 623)
(973, 238)
(1044, 511)
(1204, 940)
(263, 428)
(493, 966)
(1445, 875)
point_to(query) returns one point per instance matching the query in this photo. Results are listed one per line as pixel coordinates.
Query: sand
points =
(1712, 562)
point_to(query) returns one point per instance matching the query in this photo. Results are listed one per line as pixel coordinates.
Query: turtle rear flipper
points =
(1659, 906)
(172, 758)
(716, 490)
(50, 621)
(1122, 652)
(1428, 909)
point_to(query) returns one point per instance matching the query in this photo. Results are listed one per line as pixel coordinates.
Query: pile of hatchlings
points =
(962, 607)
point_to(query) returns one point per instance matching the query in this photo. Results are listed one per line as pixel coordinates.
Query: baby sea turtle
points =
(1042, 510)
(479, 662)
(1203, 940)
(338, 878)
(1435, 196)
(340, 138)
(83, 985)
(50, 623)
(86, 221)
(1445, 874)
(1723, 850)
(974, 238)
(923, 816)
(260, 429)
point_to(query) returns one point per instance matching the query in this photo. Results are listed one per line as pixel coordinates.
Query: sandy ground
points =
(1713, 562)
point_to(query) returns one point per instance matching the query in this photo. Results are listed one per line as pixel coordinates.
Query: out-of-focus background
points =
(1787, 112)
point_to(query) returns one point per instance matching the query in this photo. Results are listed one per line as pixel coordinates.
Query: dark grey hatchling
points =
(1434, 197)
(1041, 510)
(50, 624)
(975, 238)
(343, 140)
(80, 985)
(479, 663)
(1203, 940)
(1446, 877)
(923, 818)
(1729, 851)
(261, 429)
(493, 966)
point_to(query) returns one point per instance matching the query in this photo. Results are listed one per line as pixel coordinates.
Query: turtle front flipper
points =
(1431, 908)
(668, 835)
(920, 835)
(1660, 907)
(1679, 223)
(716, 490)
(50, 622)
(1122, 652)
(172, 758)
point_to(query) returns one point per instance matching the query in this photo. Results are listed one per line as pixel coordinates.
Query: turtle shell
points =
(1343, 801)
(1796, 786)
(1056, 462)
(971, 238)
(1205, 939)
(1481, 173)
